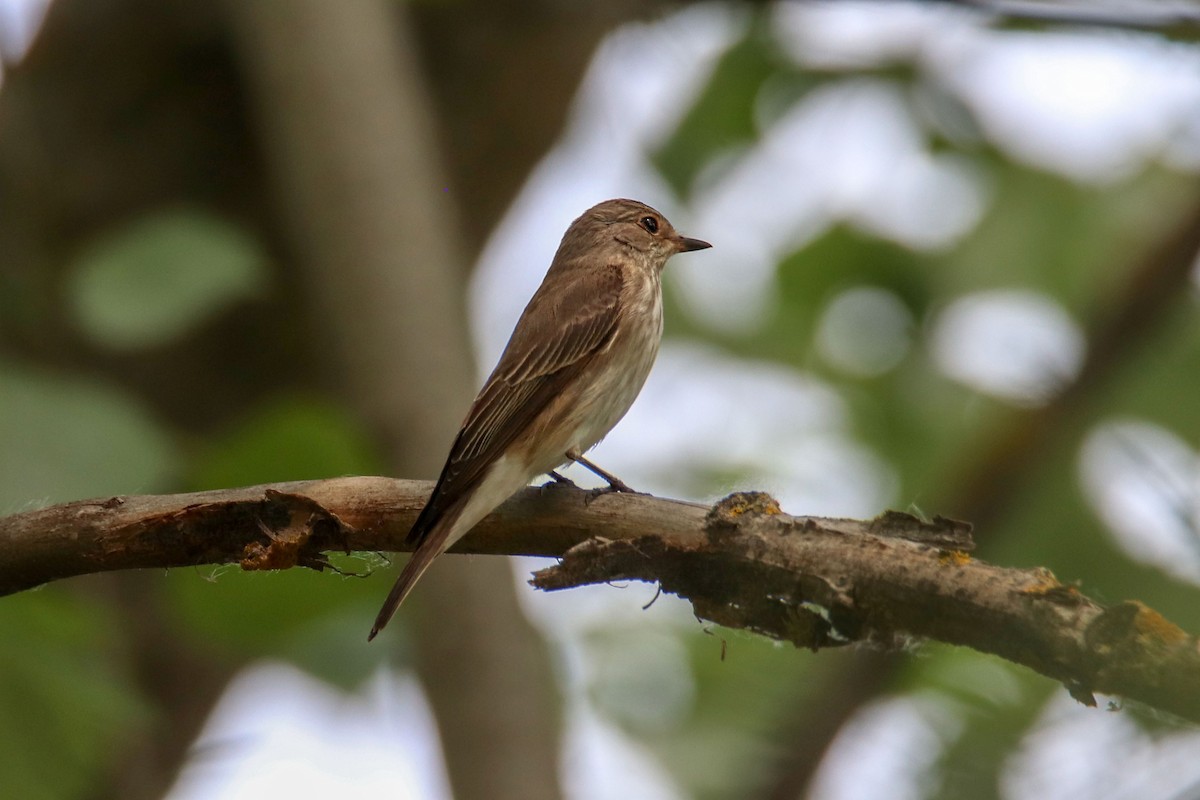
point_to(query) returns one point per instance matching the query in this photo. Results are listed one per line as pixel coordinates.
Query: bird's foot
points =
(558, 480)
(617, 485)
(614, 486)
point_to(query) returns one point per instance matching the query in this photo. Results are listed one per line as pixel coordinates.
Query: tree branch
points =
(743, 563)
(1166, 20)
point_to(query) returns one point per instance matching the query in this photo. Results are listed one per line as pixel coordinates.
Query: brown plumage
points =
(574, 365)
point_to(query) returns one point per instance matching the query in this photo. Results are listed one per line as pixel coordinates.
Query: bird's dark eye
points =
(650, 224)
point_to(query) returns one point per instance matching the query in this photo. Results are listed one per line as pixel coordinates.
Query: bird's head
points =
(627, 225)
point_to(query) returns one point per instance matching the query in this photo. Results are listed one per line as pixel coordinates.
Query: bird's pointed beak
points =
(686, 244)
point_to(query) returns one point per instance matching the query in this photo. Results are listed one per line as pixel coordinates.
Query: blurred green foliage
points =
(65, 437)
(289, 439)
(1075, 243)
(155, 278)
(63, 696)
(294, 613)
(66, 696)
(723, 118)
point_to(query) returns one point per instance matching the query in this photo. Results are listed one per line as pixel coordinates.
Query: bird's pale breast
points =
(587, 411)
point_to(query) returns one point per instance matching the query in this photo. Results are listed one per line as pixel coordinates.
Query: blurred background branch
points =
(1172, 20)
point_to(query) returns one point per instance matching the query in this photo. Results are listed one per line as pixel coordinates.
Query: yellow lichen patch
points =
(1044, 583)
(740, 504)
(956, 558)
(755, 505)
(1047, 587)
(1150, 624)
(770, 507)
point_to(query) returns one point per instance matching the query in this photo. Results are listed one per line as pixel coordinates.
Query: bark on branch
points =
(815, 582)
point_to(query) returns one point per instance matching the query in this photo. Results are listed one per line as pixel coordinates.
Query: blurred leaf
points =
(841, 259)
(1155, 383)
(997, 703)
(66, 438)
(62, 706)
(744, 686)
(317, 620)
(723, 118)
(292, 612)
(296, 438)
(149, 282)
(1047, 233)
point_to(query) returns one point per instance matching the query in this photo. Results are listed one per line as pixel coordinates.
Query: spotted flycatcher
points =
(574, 365)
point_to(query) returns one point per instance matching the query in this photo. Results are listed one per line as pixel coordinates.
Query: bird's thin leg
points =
(615, 484)
(560, 479)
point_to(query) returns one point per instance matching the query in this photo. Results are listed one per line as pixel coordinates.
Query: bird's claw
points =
(614, 487)
(558, 480)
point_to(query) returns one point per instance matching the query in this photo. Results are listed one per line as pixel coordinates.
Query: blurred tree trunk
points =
(348, 128)
(123, 107)
(119, 108)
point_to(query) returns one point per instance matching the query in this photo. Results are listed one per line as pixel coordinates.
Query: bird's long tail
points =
(432, 545)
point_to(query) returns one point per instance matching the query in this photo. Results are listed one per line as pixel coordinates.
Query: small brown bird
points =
(574, 365)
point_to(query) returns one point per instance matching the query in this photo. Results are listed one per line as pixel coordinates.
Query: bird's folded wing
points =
(565, 324)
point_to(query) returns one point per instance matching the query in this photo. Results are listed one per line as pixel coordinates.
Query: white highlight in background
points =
(271, 735)
(1144, 482)
(1014, 344)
